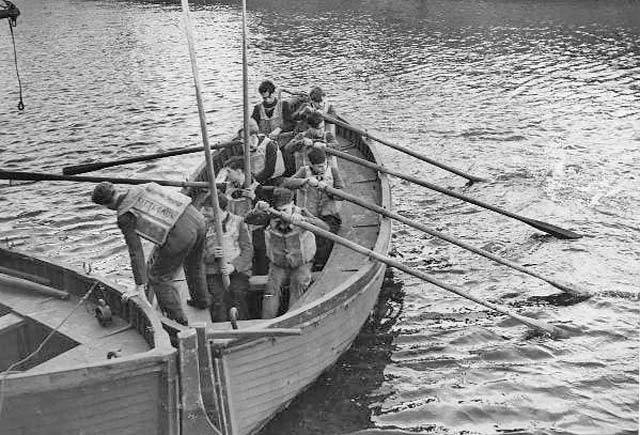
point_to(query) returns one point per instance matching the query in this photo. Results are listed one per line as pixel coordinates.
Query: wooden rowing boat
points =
(246, 379)
(213, 379)
(87, 378)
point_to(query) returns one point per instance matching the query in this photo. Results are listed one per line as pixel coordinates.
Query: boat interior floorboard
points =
(92, 342)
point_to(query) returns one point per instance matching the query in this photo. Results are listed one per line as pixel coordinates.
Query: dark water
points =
(542, 97)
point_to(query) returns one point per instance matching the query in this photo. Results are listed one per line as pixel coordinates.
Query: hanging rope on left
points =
(11, 12)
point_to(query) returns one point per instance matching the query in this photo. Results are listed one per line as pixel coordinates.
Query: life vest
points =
(156, 209)
(302, 156)
(258, 157)
(239, 206)
(314, 199)
(230, 243)
(266, 124)
(291, 249)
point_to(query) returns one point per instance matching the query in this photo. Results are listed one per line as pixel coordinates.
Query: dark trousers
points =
(234, 296)
(324, 246)
(184, 248)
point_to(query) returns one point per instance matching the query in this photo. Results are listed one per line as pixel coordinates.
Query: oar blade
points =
(554, 230)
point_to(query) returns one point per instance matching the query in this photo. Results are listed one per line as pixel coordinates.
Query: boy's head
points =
(105, 194)
(318, 161)
(283, 200)
(315, 120)
(316, 94)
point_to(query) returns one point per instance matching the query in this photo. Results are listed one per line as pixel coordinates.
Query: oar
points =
(554, 230)
(39, 176)
(405, 150)
(564, 286)
(245, 99)
(552, 330)
(88, 167)
(211, 173)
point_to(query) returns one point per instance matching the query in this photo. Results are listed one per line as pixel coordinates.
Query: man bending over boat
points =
(273, 114)
(315, 136)
(169, 220)
(237, 251)
(290, 250)
(321, 204)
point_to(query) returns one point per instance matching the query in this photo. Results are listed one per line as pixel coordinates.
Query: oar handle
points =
(88, 167)
(405, 150)
(542, 226)
(552, 330)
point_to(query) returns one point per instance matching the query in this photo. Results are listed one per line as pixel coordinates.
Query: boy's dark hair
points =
(236, 162)
(316, 94)
(267, 86)
(317, 155)
(315, 119)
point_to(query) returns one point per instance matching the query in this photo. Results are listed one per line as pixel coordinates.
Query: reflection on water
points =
(541, 97)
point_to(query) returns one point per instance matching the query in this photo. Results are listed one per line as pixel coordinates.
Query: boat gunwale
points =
(320, 306)
(134, 311)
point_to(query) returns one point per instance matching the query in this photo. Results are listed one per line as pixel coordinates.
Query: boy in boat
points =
(241, 201)
(169, 220)
(231, 180)
(267, 160)
(316, 103)
(321, 204)
(237, 251)
(273, 114)
(290, 250)
(315, 136)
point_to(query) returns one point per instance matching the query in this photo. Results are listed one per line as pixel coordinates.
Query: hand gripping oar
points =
(39, 176)
(88, 167)
(549, 329)
(565, 287)
(555, 231)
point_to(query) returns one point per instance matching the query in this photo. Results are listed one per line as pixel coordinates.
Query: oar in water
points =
(541, 326)
(88, 167)
(564, 286)
(554, 230)
(405, 150)
(39, 176)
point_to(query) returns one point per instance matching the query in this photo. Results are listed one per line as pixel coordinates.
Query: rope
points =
(12, 23)
(7, 372)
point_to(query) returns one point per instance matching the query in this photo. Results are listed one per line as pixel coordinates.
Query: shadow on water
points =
(339, 401)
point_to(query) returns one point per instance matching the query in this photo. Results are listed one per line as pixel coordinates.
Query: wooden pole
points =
(40, 176)
(417, 155)
(552, 330)
(205, 140)
(564, 286)
(548, 228)
(88, 167)
(245, 99)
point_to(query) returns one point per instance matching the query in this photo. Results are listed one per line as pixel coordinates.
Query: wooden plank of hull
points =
(135, 396)
(132, 394)
(265, 378)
